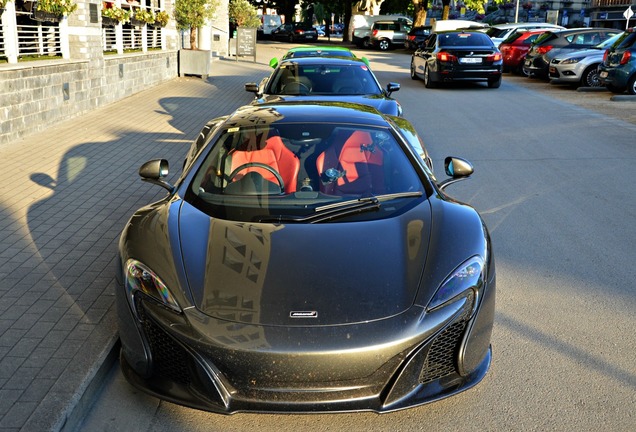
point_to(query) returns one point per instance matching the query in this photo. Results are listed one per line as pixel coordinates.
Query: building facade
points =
(53, 68)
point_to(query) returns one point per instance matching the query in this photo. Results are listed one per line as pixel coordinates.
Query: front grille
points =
(441, 359)
(170, 360)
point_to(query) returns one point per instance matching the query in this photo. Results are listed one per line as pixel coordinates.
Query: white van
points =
(268, 23)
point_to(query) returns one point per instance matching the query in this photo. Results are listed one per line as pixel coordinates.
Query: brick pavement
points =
(65, 195)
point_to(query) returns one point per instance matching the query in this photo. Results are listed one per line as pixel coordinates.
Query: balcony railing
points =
(611, 3)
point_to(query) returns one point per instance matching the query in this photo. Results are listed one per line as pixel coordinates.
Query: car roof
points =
(319, 48)
(306, 112)
(527, 24)
(323, 61)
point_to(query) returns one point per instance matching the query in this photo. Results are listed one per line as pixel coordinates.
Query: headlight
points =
(141, 278)
(468, 276)
(572, 60)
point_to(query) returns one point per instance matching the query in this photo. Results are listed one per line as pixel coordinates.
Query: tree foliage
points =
(243, 14)
(192, 14)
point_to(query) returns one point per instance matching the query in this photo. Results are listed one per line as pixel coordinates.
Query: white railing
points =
(42, 40)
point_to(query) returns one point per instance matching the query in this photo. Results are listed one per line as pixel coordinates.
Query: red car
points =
(515, 48)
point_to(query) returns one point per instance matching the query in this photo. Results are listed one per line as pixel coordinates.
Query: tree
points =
(243, 14)
(192, 15)
(421, 8)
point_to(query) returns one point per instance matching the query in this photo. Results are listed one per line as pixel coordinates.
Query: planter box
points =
(109, 22)
(195, 62)
(46, 16)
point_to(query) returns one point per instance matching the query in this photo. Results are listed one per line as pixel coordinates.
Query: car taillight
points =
(605, 55)
(494, 57)
(445, 57)
(411, 38)
(375, 32)
(544, 49)
(298, 31)
(626, 56)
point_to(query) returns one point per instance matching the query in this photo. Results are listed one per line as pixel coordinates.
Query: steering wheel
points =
(296, 87)
(266, 167)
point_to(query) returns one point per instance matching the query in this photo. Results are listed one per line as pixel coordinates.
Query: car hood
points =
(380, 102)
(304, 274)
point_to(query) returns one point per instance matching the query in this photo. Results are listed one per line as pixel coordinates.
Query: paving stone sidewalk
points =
(65, 195)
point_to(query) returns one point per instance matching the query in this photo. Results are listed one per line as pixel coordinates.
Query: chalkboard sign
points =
(246, 43)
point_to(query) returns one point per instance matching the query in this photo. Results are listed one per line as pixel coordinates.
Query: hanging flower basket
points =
(161, 19)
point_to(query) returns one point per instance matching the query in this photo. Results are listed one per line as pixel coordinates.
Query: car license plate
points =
(528, 63)
(309, 36)
(603, 74)
(470, 60)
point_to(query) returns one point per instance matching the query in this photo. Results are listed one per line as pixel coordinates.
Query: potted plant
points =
(113, 15)
(192, 15)
(53, 10)
(162, 18)
(142, 16)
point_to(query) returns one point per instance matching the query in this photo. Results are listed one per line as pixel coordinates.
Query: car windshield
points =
(319, 79)
(308, 172)
(464, 39)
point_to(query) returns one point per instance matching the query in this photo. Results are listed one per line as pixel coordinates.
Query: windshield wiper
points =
(343, 208)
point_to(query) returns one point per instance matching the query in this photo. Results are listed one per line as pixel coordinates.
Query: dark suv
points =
(618, 70)
(386, 34)
(553, 43)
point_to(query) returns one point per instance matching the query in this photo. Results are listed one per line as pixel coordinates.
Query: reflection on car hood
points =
(378, 101)
(304, 274)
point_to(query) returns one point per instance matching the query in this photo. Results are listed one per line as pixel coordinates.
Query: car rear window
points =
(627, 40)
(464, 39)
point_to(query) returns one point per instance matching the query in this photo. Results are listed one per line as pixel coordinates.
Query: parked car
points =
(361, 27)
(618, 70)
(298, 265)
(515, 47)
(554, 43)
(416, 36)
(296, 32)
(317, 51)
(455, 56)
(269, 23)
(580, 68)
(500, 32)
(388, 34)
(326, 79)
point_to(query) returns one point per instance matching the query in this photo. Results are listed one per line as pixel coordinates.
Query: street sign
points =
(628, 14)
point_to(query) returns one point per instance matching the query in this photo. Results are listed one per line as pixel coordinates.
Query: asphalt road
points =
(554, 181)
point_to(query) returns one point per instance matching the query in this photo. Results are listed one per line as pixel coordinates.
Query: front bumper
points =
(224, 367)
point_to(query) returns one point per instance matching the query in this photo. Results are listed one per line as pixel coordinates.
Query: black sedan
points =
(306, 260)
(295, 32)
(326, 79)
(457, 56)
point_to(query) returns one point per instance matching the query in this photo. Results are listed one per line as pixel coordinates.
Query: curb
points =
(77, 409)
(623, 98)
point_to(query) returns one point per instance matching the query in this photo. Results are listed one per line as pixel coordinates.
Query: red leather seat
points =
(359, 165)
(272, 152)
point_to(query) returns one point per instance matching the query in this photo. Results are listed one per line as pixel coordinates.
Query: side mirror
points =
(252, 88)
(273, 63)
(392, 87)
(365, 60)
(154, 171)
(457, 169)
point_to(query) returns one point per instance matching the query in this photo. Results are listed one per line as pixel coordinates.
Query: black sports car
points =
(457, 55)
(326, 79)
(306, 260)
